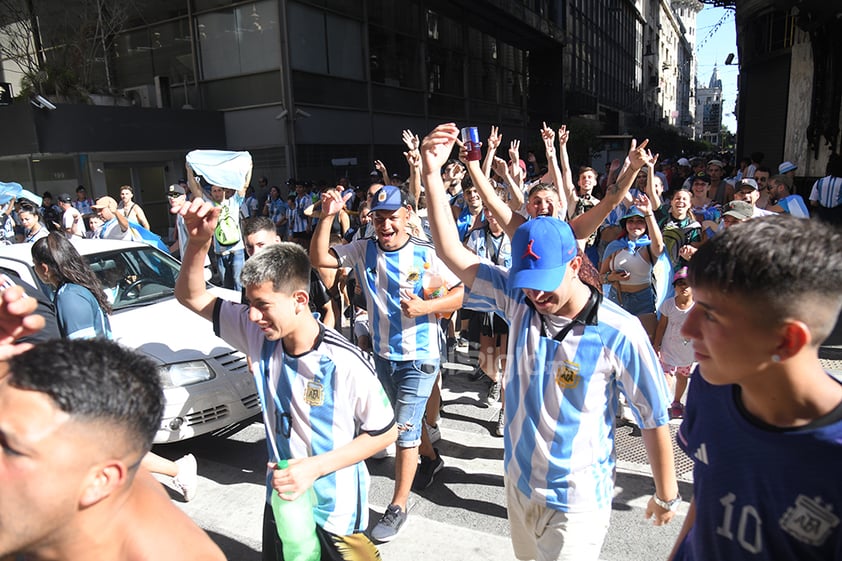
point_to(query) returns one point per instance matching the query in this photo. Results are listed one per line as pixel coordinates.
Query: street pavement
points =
(460, 517)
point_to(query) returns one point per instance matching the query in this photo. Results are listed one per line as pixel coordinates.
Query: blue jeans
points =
(408, 384)
(635, 303)
(230, 266)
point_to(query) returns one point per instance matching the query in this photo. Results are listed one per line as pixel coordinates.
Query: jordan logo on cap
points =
(529, 252)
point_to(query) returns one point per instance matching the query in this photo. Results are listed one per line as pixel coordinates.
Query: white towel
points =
(223, 168)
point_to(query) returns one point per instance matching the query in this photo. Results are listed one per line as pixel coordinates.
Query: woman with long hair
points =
(82, 309)
(628, 262)
(81, 304)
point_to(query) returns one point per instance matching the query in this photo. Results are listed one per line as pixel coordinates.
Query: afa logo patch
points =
(567, 375)
(809, 521)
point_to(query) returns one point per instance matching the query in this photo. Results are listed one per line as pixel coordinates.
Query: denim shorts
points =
(635, 303)
(408, 384)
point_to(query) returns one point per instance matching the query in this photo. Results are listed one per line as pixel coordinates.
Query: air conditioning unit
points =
(142, 96)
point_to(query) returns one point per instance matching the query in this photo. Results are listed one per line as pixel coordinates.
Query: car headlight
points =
(185, 373)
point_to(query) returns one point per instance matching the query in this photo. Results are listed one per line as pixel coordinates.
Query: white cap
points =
(787, 166)
(684, 162)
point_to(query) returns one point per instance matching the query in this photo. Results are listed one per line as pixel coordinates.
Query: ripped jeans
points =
(408, 384)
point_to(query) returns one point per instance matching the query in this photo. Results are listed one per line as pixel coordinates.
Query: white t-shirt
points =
(72, 220)
(675, 349)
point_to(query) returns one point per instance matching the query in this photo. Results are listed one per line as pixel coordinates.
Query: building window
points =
(241, 40)
(325, 43)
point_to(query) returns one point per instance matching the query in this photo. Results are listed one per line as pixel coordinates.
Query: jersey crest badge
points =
(809, 521)
(314, 394)
(414, 275)
(567, 375)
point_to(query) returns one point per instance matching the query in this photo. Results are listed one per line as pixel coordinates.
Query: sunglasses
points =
(174, 195)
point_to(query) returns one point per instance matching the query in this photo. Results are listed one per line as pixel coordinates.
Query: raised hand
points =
(333, 202)
(514, 151)
(637, 153)
(380, 166)
(494, 139)
(411, 140)
(548, 136)
(643, 204)
(563, 135)
(200, 218)
(436, 148)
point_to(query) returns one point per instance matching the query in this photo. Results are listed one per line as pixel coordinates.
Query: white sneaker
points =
(433, 432)
(187, 480)
(388, 452)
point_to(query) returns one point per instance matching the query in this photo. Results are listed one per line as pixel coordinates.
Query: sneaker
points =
(493, 393)
(676, 410)
(427, 470)
(390, 524)
(501, 423)
(434, 432)
(477, 375)
(388, 452)
(186, 481)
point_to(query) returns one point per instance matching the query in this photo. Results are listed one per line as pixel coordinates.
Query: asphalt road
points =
(460, 517)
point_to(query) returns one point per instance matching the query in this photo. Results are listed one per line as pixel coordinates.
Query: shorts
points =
(635, 303)
(671, 370)
(493, 325)
(545, 534)
(408, 383)
(334, 548)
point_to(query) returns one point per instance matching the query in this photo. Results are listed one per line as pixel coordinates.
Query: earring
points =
(776, 358)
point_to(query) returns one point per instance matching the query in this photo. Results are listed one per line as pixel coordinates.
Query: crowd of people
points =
(658, 290)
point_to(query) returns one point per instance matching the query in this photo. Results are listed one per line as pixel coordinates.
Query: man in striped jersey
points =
(391, 270)
(826, 194)
(323, 408)
(571, 354)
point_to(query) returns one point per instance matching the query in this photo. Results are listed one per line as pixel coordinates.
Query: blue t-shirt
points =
(760, 492)
(79, 314)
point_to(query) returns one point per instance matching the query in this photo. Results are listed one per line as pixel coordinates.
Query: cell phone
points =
(621, 271)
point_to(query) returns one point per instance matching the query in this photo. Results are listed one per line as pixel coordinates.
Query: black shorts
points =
(493, 325)
(356, 547)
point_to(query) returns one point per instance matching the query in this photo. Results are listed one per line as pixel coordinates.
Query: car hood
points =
(168, 332)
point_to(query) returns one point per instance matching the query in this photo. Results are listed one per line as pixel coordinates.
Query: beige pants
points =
(540, 533)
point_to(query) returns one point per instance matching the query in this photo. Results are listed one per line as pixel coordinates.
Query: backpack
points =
(227, 229)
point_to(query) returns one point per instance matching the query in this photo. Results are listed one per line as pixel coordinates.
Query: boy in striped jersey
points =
(323, 408)
(571, 354)
(391, 270)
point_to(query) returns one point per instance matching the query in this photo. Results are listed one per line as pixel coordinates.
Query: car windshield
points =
(135, 276)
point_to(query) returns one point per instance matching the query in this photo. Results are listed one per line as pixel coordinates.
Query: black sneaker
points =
(427, 470)
(501, 423)
(477, 375)
(390, 524)
(493, 393)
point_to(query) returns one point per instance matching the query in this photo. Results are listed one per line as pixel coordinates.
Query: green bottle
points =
(296, 525)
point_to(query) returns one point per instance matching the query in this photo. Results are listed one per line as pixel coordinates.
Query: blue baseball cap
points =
(389, 198)
(541, 250)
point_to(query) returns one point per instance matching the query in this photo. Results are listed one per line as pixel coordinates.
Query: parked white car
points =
(207, 385)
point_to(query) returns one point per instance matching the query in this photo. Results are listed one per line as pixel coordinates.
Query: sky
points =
(716, 37)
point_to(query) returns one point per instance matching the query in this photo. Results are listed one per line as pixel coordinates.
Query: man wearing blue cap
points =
(571, 354)
(394, 270)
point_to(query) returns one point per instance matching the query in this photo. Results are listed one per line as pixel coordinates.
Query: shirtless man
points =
(76, 417)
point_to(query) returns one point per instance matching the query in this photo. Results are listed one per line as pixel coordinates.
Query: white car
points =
(207, 384)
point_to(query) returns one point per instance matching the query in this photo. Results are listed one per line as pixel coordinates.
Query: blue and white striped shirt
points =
(312, 404)
(562, 398)
(827, 191)
(384, 277)
(795, 206)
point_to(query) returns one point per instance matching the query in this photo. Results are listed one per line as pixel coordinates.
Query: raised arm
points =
(320, 255)
(587, 223)
(650, 180)
(567, 184)
(413, 159)
(516, 194)
(645, 206)
(200, 219)
(384, 173)
(508, 219)
(435, 149)
(494, 140)
(548, 136)
(193, 183)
